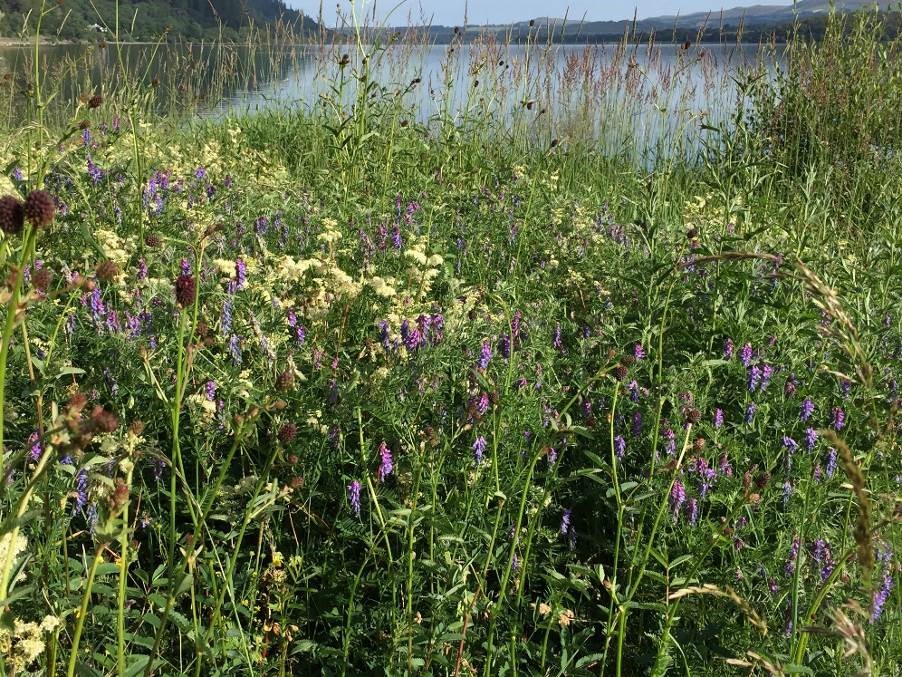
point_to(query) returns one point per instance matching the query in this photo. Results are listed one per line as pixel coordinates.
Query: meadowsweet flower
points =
(839, 418)
(746, 354)
(806, 409)
(354, 497)
(386, 463)
(619, 447)
(718, 418)
(479, 447)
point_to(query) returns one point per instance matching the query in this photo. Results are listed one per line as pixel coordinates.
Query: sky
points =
(451, 12)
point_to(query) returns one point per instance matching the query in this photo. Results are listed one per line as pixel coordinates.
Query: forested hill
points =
(149, 19)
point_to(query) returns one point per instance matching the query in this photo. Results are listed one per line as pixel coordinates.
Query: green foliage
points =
(333, 391)
(151, 19)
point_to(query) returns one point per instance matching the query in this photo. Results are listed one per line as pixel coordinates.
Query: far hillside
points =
(150, 19)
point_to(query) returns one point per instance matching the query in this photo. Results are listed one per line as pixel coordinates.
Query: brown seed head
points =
(95, 101)
(185, 290)
(39, 208)
(12, 215)
(42, 279)
(107, 271)
(104, 421)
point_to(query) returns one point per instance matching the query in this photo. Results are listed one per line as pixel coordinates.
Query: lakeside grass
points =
(340, 391)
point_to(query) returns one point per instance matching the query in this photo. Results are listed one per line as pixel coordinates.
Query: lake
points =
(635, 95)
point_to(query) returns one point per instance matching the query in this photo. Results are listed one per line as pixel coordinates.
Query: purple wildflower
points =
(728, 349)
(210, 390)
(793, 556)
(235, 349)
(806, 409)
(880, 597)
(637, 423)
(37, 449)
(669, 440)
(750, 412)
(718, 418)
(633, 388)
(386, 463)
(754, 378)
(692, 509)
(504, 346)
(839, 418)
(810, 438)
(746, 354)
(482, 405)
(240, 273)
(354, 497)
(619, 446)
(556, 340)
(789, 388)
(565, 521)
(677, 497)
(831, 462)
(767, 373)
(639, 352)
(485, 356)
(479, 449)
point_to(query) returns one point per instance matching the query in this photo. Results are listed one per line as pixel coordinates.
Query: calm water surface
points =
(649, 94)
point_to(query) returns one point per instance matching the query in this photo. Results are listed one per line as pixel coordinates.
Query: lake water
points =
(639, 95)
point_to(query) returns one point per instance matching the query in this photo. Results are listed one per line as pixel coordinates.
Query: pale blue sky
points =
(451, 12)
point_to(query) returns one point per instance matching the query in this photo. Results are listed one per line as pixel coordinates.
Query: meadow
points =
(351, 390)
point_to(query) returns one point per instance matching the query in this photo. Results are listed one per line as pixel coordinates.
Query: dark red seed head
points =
(185, 290)
(95, 101)
(287, 433)
(39, 208)
(12, 215)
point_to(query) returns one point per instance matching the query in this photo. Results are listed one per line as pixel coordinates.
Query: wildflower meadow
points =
(344, 389)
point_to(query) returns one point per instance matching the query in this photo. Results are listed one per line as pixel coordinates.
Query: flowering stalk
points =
(8, 327)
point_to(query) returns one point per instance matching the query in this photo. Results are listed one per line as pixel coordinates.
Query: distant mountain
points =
(756, 21)
(150, 19)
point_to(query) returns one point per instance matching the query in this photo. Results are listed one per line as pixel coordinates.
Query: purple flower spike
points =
(479, 447)
(354, 497)
(386, 463)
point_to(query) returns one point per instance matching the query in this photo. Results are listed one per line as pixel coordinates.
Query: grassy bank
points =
(341, 392)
